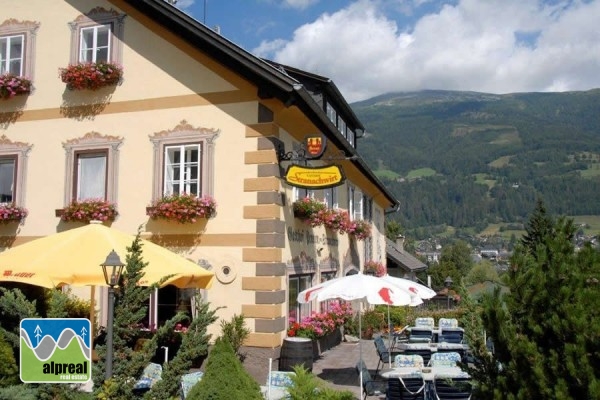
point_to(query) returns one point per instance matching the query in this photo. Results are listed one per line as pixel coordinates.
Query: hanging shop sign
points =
(315, 145)
(314, 177)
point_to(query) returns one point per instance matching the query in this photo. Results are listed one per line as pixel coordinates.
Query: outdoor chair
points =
(152, 374)
(424, 353)
(277, 384)
(188, 381)
(370, 386)
(450, 332)
(422, 332)
(452, 388)
(427, 322)
(383, 352)
(408, 361)
(445, 359)
(407, 387)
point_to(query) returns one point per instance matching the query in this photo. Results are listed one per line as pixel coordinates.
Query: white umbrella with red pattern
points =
(359, 287)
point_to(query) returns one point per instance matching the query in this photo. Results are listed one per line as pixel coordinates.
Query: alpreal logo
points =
(55, 350)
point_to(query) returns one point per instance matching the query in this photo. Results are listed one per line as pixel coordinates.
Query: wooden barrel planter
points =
(296, 351)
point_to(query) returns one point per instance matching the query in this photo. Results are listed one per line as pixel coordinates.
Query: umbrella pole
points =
(390, 333)
(360, 346)
(92, 318)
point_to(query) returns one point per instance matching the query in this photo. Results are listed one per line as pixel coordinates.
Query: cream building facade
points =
(189, 95)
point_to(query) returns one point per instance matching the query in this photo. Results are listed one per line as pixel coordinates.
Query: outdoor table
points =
(429, 374)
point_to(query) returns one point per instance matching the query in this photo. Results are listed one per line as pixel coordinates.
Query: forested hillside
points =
(468, 159)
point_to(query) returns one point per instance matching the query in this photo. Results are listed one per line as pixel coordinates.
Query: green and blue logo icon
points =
(56, 350)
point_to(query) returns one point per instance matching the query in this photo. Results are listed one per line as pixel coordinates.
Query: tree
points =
(481, 272)
(130, 310)
(546, 329)
(455, 262)
(537, 228)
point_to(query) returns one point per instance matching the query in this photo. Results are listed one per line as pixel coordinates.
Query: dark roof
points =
(402, 258)
(271, 81)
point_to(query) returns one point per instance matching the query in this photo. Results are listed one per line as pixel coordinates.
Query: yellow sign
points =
(314, 177)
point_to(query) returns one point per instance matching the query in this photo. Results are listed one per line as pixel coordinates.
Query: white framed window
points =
(183, 161)
(367, 208)
(12, 53)
(92, 166)
(358, 205)
(17, 47)
(331, 113)
(13, 170)
(350, 201)
(341, 125)
(8, 169)
(90, 175)
(297, 284)
(182, 169)
(97, 36)
(94, 45)
(330, 197)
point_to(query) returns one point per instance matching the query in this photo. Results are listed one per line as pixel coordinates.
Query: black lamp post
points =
(112, 268)
(448, 282)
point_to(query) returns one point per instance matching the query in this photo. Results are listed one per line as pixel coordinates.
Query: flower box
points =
(88, 210)
(91, 76)
(183, 208)
(305, 209)
(375, 268)
(12, 85)
(12, 213)
(359, 229)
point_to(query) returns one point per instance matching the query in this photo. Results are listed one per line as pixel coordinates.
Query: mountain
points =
(469, 159)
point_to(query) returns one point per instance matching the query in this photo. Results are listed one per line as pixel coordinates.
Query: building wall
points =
(170, 87)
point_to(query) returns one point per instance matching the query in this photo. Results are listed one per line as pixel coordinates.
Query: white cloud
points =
(299, 4)
(470, 45)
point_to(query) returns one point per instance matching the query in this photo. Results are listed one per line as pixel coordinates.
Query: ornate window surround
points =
(21, 151)
(29, 30)
(99, 16)
(184, 133)
(93, 141)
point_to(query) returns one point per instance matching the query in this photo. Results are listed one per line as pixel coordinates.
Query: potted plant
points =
(91, 76)
(10, 212)
(88, 210)
(359, 229)
(12, 85)
(183, 208)
(375, 268)
(308, 207)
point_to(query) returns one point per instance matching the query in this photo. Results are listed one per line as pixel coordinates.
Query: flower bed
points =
(91, 76)
(12, 213)
(183, 208)
(323, 328)
(12, 85)
(88, 210)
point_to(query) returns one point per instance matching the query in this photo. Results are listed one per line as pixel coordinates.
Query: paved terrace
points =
(338, 366)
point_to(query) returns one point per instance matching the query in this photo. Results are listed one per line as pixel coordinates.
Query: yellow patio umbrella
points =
(73, 258)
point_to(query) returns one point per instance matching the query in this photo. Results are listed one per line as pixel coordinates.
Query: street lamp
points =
(448, 283)
(112, 268)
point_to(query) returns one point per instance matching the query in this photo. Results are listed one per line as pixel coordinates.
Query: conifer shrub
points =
(225, 377)
(235, 331)
(307, 386)
(9, 373)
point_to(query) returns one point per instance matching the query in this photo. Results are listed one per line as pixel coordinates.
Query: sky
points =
(373, 47)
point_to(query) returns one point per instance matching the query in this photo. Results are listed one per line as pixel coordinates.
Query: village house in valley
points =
(184, 111)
